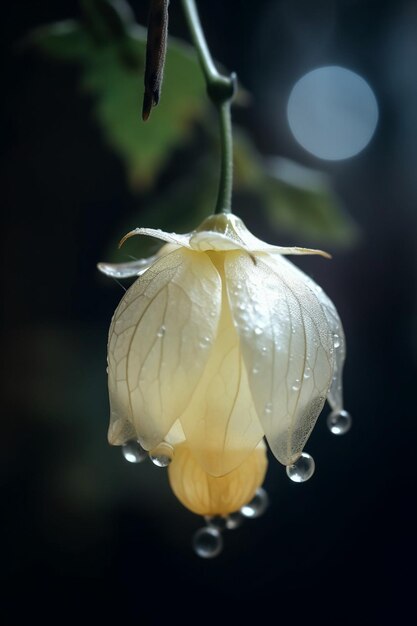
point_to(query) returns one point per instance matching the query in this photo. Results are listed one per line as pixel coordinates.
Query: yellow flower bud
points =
(205, 494)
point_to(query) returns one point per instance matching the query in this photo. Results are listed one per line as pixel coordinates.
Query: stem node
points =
(222, 89)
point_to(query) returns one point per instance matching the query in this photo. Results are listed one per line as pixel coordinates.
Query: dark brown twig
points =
(155, 54)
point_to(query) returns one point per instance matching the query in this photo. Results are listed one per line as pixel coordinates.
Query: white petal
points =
(293, 250)
(134, 268)
(120, 431)
(286, 346)
(155, 356)
(221, 423)
(179, 240)
(335, 394)
(219, 233)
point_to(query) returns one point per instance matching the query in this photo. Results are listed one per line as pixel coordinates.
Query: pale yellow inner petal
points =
(205, 494)
(221, 423)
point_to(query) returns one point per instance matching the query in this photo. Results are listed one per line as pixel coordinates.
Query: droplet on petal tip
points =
(207, 542)
(234, 520)
(339, 422)
(257, 506)
(302, 470)
(162, 455)
(133, 452)
(225, 522)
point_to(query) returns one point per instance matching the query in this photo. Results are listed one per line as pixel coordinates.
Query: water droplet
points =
(336, 341)
(216, 521)
(264, 349)
(162, 455)
(255, 370)
(302, 469)
(307, 373)
(234, 520)
(268, 408)
(295, 387)
(207, 542)
(241, 306)
(161, 332)
(205, 342)
(339, 422)
(258, 331)
(238, 286)
(133, 452)
(257, 506)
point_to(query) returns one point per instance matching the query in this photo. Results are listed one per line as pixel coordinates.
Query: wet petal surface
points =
(286, 346)
(155, 358)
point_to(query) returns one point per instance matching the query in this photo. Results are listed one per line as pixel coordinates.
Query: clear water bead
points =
(162, 455)
(302, 469)
(133, 452)
(257, 506)
(207, 542)
(339, 422)
(234, 520)
(216, 521)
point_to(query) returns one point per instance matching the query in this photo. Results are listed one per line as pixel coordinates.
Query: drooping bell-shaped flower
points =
(220, 342)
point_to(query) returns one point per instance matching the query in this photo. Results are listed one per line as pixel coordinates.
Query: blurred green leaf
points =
(296, 198)
(112, 66)
(110, 48)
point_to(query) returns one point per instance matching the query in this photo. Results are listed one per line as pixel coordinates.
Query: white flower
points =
(221, 341)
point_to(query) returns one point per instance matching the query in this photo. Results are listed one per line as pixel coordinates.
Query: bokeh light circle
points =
(332, 112)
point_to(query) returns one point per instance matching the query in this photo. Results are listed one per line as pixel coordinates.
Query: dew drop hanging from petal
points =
(133, 452)
(302, 470)
(257, 506)
(162, 455)
(339, 422)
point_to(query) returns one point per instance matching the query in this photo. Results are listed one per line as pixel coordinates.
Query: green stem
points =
(221, 90)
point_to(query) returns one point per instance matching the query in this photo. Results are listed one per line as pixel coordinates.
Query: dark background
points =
(87, 535)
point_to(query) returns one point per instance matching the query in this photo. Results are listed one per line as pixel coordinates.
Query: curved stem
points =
(220, 90)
